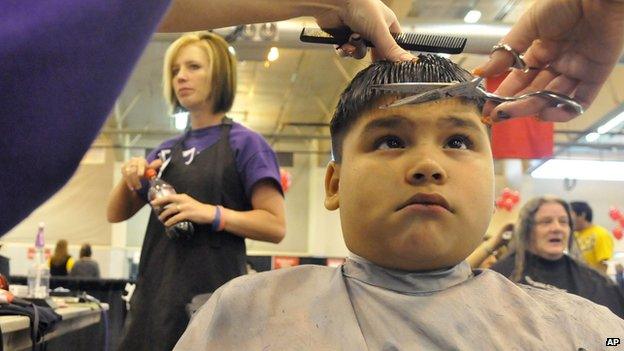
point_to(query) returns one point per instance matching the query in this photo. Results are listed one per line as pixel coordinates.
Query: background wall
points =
(77, 214)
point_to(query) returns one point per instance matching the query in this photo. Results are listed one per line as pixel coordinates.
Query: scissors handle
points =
(560, 99)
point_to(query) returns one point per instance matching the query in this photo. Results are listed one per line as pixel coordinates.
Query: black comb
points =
(408, 41)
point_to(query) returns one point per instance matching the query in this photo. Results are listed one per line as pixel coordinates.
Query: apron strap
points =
(222, 148)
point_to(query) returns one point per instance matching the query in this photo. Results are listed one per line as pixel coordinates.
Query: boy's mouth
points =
(427, 199)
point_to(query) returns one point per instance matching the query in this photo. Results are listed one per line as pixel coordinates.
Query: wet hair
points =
(524, 228)
(85, 250)
(582, 208)
(359, 97)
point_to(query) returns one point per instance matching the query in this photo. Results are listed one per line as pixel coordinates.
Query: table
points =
(16, 329)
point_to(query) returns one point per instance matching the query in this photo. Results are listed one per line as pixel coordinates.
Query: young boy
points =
(415, 188)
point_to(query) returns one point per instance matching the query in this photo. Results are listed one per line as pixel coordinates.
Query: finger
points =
(141, 170)
(168, 211)
(174, 219)
(520, 38)
(342, 52)
(557, 114)
(586, 93)
(535, 105)
(345, 50)
(386, 47)
(358, 45)
(156, 164)
(518, 80)
(161, 201)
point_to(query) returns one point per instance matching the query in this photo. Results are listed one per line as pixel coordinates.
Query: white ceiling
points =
(303, 85)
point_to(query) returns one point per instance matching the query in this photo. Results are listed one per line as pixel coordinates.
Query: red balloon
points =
(506, 193)
(500, 203)
(508, 204)
(622, 222)
(615, 213)
(285, 179)
(617, 233)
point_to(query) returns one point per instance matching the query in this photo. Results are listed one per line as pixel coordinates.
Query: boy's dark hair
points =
(582, 208)
(358, 97)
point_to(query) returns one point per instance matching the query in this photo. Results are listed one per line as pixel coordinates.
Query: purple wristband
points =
(217, 220)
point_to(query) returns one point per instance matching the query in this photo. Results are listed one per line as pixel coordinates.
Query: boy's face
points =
(416, 185)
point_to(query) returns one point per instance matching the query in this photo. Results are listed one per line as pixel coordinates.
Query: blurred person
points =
(542, 238)
(61, 262)
(595, 242)
(85, 267)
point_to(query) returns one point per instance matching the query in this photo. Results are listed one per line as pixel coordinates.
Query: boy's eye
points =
(389, 142)
(461, 142)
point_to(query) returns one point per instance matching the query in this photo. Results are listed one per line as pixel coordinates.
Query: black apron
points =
(59, 269)
(171, 272)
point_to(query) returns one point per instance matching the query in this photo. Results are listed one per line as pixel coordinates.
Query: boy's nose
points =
(427, 171)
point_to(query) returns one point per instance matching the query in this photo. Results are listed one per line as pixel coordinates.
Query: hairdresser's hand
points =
(371, 19)
(575, 43)
(502, 237)
(181, 207)
(133, 170)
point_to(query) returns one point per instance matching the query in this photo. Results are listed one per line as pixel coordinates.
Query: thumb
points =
(386, 48)
(155, 164)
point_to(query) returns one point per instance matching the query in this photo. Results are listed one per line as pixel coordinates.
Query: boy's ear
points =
(332, 179)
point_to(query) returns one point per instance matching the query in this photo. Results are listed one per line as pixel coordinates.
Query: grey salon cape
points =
(361, 306)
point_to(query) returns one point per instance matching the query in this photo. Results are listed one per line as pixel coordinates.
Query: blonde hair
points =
(222, 67)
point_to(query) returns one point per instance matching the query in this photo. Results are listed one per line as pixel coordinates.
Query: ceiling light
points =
(580, 169)
(472, 16)
(180, 120)
(612, 123)
(273, 54)
(591, 137)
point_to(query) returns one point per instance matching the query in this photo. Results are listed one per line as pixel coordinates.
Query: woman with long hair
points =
(540, 255)
(61, 263)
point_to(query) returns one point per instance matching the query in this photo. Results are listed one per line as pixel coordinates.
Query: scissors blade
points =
(468, 89)
(409, 87)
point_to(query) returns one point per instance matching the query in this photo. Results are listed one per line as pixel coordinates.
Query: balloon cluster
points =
(508, 199)
(285, 180)
(618, 217)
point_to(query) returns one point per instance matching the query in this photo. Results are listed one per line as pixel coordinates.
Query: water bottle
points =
(159, 188)
(39, 273)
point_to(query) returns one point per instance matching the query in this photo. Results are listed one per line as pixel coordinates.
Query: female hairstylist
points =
(227, 179)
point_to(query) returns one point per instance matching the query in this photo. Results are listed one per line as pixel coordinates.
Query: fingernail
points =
(356, 37)
(477, 71)
(503, 115)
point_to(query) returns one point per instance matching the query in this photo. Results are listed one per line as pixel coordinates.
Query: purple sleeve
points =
(256, 161)
(64, 62)
(261, 166)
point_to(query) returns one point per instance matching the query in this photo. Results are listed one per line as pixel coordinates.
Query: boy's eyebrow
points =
(453, 121)
(388, 122)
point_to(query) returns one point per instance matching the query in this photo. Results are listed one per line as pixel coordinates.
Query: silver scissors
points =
(472, 89)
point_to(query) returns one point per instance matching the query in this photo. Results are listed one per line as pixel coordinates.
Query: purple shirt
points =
(255, 160)
(64, 62)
